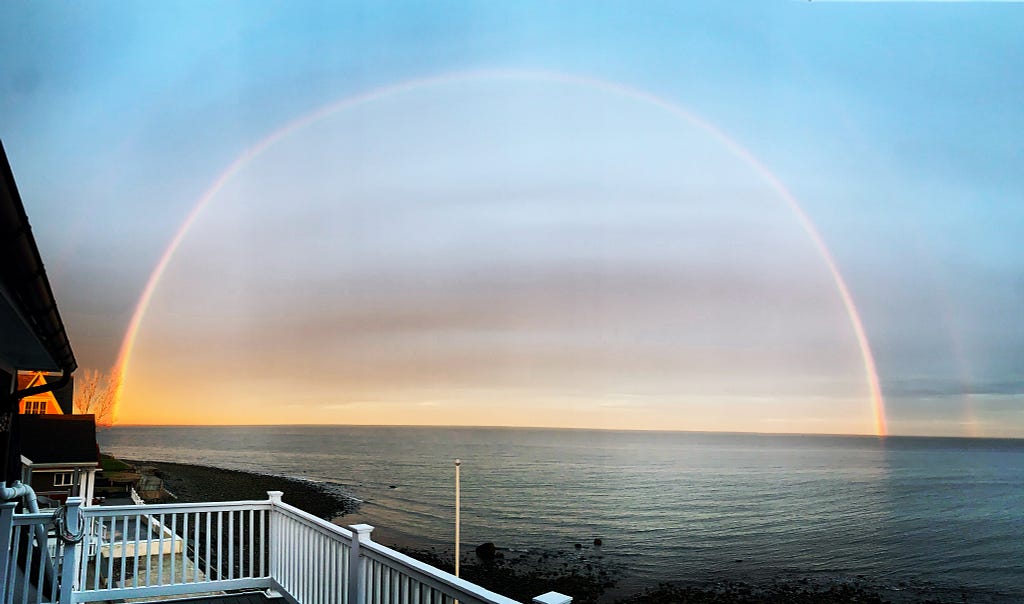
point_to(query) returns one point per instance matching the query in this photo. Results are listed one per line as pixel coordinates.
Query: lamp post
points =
(458, 462)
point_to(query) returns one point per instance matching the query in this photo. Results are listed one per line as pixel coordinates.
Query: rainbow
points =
(128, 343)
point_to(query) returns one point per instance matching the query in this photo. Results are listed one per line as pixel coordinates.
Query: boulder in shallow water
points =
(486, 551)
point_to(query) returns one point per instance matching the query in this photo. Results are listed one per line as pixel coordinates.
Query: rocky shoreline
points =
(189, 484)
(523, 576)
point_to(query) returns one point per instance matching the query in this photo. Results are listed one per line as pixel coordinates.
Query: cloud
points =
(951, 388)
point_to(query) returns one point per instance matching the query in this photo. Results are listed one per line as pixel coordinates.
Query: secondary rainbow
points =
(870, 372)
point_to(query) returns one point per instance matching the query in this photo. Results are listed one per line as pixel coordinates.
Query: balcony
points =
(190, 550)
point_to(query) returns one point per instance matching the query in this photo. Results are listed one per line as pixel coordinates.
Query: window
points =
(63, 479)
(35, 407)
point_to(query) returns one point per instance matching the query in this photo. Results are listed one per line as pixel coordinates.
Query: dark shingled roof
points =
(33, 334)
(59, 438)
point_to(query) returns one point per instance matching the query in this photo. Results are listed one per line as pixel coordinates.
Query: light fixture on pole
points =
(458, 462)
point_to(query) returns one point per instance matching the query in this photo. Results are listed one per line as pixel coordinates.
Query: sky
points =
(771, 217)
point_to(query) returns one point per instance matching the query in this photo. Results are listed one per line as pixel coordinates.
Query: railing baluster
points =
(297, 558)
(112, 537)
(174, 545)
(135, 567)
(284, 551)
(252, 551)
(314, 546)
(334, 594)
(44, 557)
(98, 560)
(186, 558)
(378, 582)
(325, 553)
(124, 548)
(149, 551)
(303, 556)
(321, 551)
(197, 571)
(160, 564)
(220, 542)
(343, 576)
(12, 564)
(230, 545)
(263, 543)
(83, 555)
(241, 544)
(28, 560)
(208, 514)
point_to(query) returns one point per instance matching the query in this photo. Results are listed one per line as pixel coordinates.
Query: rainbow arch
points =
(877, 402)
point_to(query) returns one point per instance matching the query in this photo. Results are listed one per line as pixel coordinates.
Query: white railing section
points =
(174, 549)
(311, 557)
(392, 577)
(31, 570)
(181, 549)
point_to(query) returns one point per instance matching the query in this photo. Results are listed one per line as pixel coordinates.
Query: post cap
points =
(458, 462)
(552, 597)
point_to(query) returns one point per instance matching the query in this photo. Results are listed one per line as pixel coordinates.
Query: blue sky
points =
(588, 241)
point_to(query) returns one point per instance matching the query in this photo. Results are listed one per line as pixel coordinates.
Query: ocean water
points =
(943, 515)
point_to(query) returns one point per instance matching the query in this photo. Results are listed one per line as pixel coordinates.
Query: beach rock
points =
(486, 551)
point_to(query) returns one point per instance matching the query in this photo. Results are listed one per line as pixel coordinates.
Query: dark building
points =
(32, 334)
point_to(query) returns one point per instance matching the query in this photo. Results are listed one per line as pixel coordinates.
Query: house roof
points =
(33, 334)
(59, 438)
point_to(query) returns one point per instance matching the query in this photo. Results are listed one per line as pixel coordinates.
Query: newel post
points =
(73, 526)
(274, 545)
(552, 597)
(6, 527)
(356, 573)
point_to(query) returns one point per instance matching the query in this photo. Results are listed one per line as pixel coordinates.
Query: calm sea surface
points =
(933, 513)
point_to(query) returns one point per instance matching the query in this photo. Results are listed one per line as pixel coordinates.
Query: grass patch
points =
(110, 463)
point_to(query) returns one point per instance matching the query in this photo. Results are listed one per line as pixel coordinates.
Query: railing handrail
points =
(311, 520)
(151, 509)
(29, 518)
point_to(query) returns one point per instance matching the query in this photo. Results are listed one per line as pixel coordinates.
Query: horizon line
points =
(577, 429)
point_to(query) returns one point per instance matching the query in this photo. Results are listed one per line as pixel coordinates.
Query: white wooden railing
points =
(182, 549)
